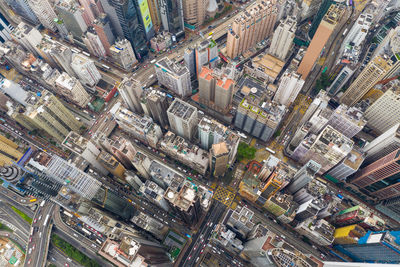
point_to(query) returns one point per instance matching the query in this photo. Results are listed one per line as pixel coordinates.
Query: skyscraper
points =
(373, 73)
(85, 70)
(289, 87)
(157, 104)
(323, 8)
(324, 31)
(22, 8)
(303, 176)
(250, 28)
(219, 156)
(171, 12)
(131, 91)
(206, 54)
(102, 26)
(215, 89)
(283, 38)
(44, 12)
(145, 18)
(72, 17)
(72, 89)
(122, 54)
(93, 43)
(182, 118)
(27, 36)
(194, 11)
(340, 80)
(5, 29)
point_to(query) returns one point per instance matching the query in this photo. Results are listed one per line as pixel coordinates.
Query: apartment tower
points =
(183, 119)
(131, 91)
(283, 38)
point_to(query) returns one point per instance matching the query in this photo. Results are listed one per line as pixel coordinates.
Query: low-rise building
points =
(264, 67)
(319, 231)
(161, 41)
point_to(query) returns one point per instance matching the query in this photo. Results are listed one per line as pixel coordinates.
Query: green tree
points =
(245, 151)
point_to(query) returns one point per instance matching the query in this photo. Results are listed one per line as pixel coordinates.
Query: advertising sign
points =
(144, 10)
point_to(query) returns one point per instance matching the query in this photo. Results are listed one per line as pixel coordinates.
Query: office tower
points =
(45, 13)
(185, 203)
(219, 156)
(348, 234)
(5, 29)
(72, 89)
(84, 148)
(383, 145)
(155, 14)
(348, 121)
(85, 70)
(283, 37)
(374, 247)
(88, 11)
(71, 16)
(8, 151)
(349, 165)
(73, 178)
(111, 164)
(182, 118)
(102, 26)
(27, 36)
(171, 13)
(131, 91)
(212, 132)
(384, 113)
(157, 104)
(323, 9)
(174, 76)
(194, 12)
(124, 18)
(145, 18)
(154, 194)
(22, 8)
(340, 80)
(215, 89)
(94, 44)
(46, 112)
(289, 87)
(259, 118)
(327, 149)
(324, 31)
(251, 27)
(379, 179)
(373, 73)
(303, 176)
(123, 54)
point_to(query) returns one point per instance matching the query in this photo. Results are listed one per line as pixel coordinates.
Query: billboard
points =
(144, 11)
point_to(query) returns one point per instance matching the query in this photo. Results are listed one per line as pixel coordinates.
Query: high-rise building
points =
(72, 89)
(22, 8)
(283, 38)
(85, 70)
(182, 119)
(145, 18)
(27, 36)
(94, 44)
(324, 31)
(349, 165)
(122, 150)
(359, 30)
(384, 113)
(215, 89)
(327, 149)
(379, 179)
(88, 10)
(171, 13)
(374, 247)
(373, 73)
(45, 13)
(123, 54)
(174, 76)
(383, 145)
(74, 179)
(157, 103)
(8, 152)
(194, 12)
(131, 91)
(309, 8)
(318, 231)
(289, 87)
(71, 16)
(219, 157)
(303, 176)
(5, 29)
(155, 14)
(341, 79)
(323, 9)
(154, 194)
(102, 26)
(251, 27)
(111, 164)
(205, 54)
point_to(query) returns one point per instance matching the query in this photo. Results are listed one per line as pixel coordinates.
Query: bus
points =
(86, 54)
(106, 67)
(75, 50)
(190, 179)
(153, 61)
(46, 220)
(67, 213)
(270, 150)
(42, 204)
(86, 231)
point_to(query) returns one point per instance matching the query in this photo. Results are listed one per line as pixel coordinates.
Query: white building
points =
(71, 88)
(131, 91)
(85, 70)
(27, 36)
(384, 113)
(94, 44)
(347, 166)
(182, 118)
(174, 76)
(44, 12)
(123, 54)
(289, 87)
(359, 30)
(282, 39)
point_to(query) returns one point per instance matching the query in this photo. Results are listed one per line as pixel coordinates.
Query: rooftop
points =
(172, 67)
(269, 64)
(182, 109)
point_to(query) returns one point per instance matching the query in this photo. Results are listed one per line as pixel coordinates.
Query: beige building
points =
(324, 31)
(384, 113)
(373, 72)
(215, 89)
(194, 11)
(72, 89)
(251, 27)
(264, 67)
(282, 39)
(111, 164)
(219, 156)
(182, 118)
(131, 91)
(8, 151)
(122, 54)
(154, 13)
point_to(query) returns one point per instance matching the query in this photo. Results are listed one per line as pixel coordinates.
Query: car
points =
(195, 247)
(29, 262)
(66, 265)
(197, 259)
(33, 247)
(30, 251)
(201, 251)
(30, 239)
(35, 220)
(190, 256)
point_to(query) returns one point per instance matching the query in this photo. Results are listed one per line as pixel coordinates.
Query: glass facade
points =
(172, 17)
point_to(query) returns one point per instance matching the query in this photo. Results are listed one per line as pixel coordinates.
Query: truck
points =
(46, 220)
